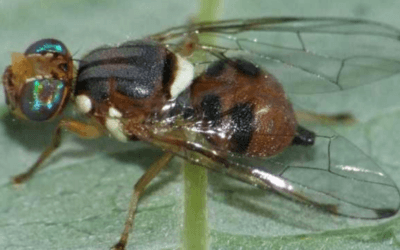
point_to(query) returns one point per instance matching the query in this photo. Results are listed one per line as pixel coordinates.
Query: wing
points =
(307, 55)
(333, 174)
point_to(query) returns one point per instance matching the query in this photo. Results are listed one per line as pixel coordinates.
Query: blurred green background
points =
(80, 201)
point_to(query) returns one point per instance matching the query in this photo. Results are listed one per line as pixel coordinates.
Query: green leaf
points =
(80, 200)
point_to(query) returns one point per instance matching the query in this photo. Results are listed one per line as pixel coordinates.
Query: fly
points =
(224, 101)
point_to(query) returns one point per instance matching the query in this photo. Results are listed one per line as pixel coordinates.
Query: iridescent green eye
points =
(47, 45)
(41, 99)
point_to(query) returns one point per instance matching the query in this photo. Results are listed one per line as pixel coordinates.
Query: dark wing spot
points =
(385, 213)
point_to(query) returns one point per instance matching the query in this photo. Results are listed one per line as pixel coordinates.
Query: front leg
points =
(83, 130)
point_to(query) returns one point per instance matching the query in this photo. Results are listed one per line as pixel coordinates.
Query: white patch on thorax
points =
(83, 103)
(115, 127)
(113, 112)
(184, 76)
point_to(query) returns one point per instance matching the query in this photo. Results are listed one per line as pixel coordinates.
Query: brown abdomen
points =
(245, 109)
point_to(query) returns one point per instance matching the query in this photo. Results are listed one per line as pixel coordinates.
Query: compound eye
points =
(47, 45)
(42, 98)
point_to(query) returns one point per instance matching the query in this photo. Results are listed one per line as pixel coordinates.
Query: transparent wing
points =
(333, 174)
(308, 55)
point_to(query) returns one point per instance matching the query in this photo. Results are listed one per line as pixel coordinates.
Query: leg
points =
(86, 131)
(341, 118)
(138, 190)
